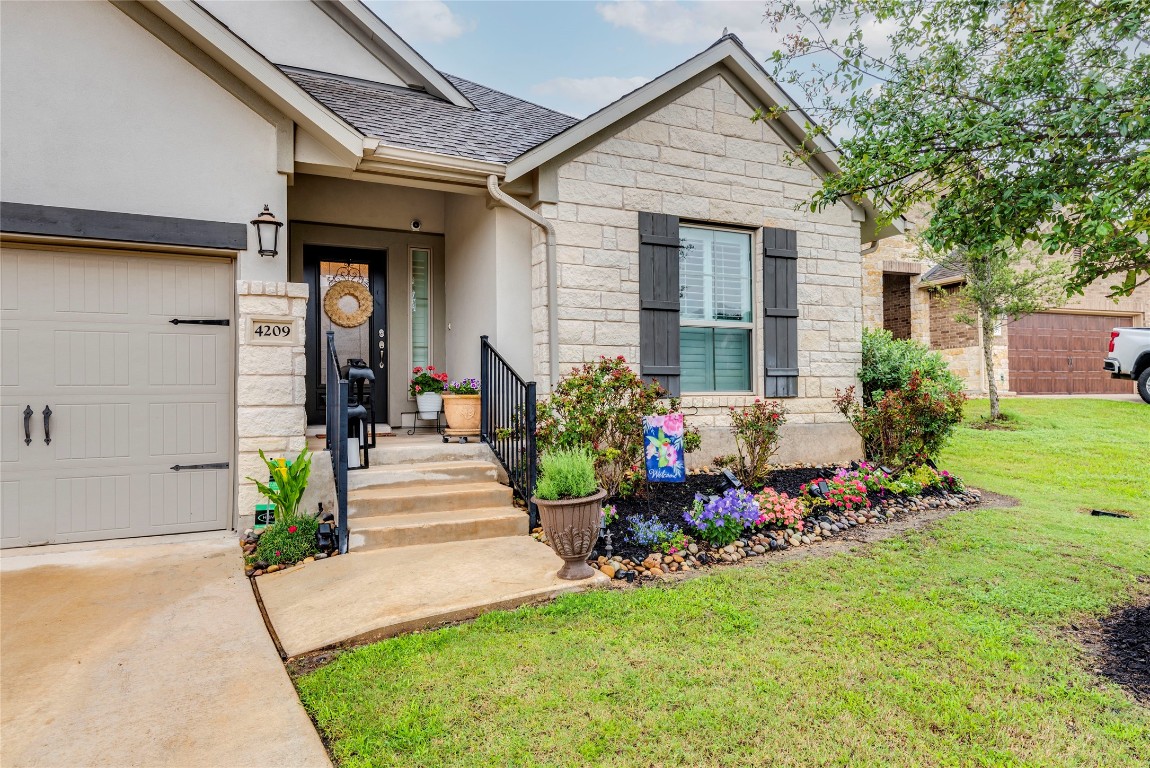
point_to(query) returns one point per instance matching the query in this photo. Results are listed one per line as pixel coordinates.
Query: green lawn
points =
(938, 648)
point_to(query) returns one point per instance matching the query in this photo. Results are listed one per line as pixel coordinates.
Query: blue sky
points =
(571, 56)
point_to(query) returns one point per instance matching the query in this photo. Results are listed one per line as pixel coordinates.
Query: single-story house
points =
(1059, 351)
(146, 332)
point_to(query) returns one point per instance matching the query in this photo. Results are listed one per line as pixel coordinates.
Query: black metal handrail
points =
(507, 422)
(336, 430)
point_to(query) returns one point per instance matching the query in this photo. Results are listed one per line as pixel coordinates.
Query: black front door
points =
(350, 276)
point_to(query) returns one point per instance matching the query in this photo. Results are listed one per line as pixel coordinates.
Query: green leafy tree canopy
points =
(1015, 122)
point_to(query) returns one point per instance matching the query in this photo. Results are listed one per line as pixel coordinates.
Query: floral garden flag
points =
(663, 441)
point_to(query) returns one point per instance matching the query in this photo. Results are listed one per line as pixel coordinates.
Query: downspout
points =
(552, 272)
(870, 248)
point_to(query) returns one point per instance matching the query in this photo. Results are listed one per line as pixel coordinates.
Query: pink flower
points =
(673, 424)
(292, 529)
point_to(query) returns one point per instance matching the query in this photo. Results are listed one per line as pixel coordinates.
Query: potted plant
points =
(570, 505)
(461, 406)
(427, 388)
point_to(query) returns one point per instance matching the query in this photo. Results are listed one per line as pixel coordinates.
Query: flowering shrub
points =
(905, 426)
(779, 509)
(602, 404)
(951, 483)
(719, 521)
(846, 492)
(648, 532)
(756, 431)
(425, 380)
(464, 387)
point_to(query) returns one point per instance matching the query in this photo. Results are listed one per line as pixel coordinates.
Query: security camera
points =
(416, 225)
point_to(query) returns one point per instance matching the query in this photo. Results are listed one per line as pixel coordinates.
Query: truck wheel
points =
(1144, 385)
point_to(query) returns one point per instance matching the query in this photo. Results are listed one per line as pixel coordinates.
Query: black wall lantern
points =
(267, 232)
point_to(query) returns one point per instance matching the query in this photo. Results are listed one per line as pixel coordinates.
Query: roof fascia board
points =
(259, 74)
(392, 50)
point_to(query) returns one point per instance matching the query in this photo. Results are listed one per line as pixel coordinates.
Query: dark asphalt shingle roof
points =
(499, 129)
(941, 274)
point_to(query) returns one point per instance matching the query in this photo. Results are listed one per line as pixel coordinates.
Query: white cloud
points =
(698, 23)
(580, 96)
(430, 21)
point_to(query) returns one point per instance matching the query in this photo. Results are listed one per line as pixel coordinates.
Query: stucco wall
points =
(701, 158)
(91, 119)
(488, 284)
(300, 35)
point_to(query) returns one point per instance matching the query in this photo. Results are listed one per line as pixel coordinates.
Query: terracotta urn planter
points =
(572, 528)
(462, 413)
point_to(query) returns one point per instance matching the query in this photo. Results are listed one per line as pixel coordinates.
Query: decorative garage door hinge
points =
(178, 321)
(217, 465)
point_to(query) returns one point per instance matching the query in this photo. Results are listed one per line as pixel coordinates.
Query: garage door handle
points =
(178, 321)
(47, 425)
(217, 465)
(27, 425)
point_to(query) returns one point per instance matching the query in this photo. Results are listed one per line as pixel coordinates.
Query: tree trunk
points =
(988, 356)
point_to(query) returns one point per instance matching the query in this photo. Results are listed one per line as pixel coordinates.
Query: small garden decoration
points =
(570, 507)
(427, 387)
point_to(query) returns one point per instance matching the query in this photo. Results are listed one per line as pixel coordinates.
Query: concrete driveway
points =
(143, 653)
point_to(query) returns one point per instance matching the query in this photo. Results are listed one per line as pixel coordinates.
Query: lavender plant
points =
(720, 520)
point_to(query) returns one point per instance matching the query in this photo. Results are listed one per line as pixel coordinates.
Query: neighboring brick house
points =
(1054, 352)
(667, 227)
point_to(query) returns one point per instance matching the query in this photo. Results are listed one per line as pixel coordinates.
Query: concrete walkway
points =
(142, 654)
(365, 596)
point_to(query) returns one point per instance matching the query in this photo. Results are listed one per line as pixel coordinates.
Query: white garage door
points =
(131, 395)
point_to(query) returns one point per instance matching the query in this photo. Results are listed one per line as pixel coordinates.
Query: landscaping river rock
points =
(626, 562)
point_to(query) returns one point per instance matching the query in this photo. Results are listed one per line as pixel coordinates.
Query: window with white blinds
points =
(715, 309)
(420, 307)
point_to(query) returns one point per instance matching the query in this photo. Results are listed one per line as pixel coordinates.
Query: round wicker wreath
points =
(358, 292)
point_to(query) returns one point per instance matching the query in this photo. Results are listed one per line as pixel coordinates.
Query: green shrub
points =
(566, 473)
(905, 426)
(887, 365)
(601, 405)
(288, 541)
(756, 430)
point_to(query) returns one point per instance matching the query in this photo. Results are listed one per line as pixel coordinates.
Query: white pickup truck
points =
(1129, 357)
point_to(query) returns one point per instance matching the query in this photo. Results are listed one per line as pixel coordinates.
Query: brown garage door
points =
(1061, 354)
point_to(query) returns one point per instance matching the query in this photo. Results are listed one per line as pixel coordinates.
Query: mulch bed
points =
(668, 502)
(1121, 644)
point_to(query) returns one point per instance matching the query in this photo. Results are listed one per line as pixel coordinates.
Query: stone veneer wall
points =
(702, 159)
(270, 388)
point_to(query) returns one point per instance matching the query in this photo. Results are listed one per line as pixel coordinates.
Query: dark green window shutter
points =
(659, 299)
(781, 311)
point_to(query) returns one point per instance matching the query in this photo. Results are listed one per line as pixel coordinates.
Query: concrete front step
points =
(365, 596)
(406, 450)
(429, 473)
(419, 528)
(380, 501)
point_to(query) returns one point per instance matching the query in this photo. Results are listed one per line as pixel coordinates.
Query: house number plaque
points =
(273, 330)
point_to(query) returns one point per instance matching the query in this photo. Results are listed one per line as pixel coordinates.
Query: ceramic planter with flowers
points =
(427, 387)
(461, 406)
